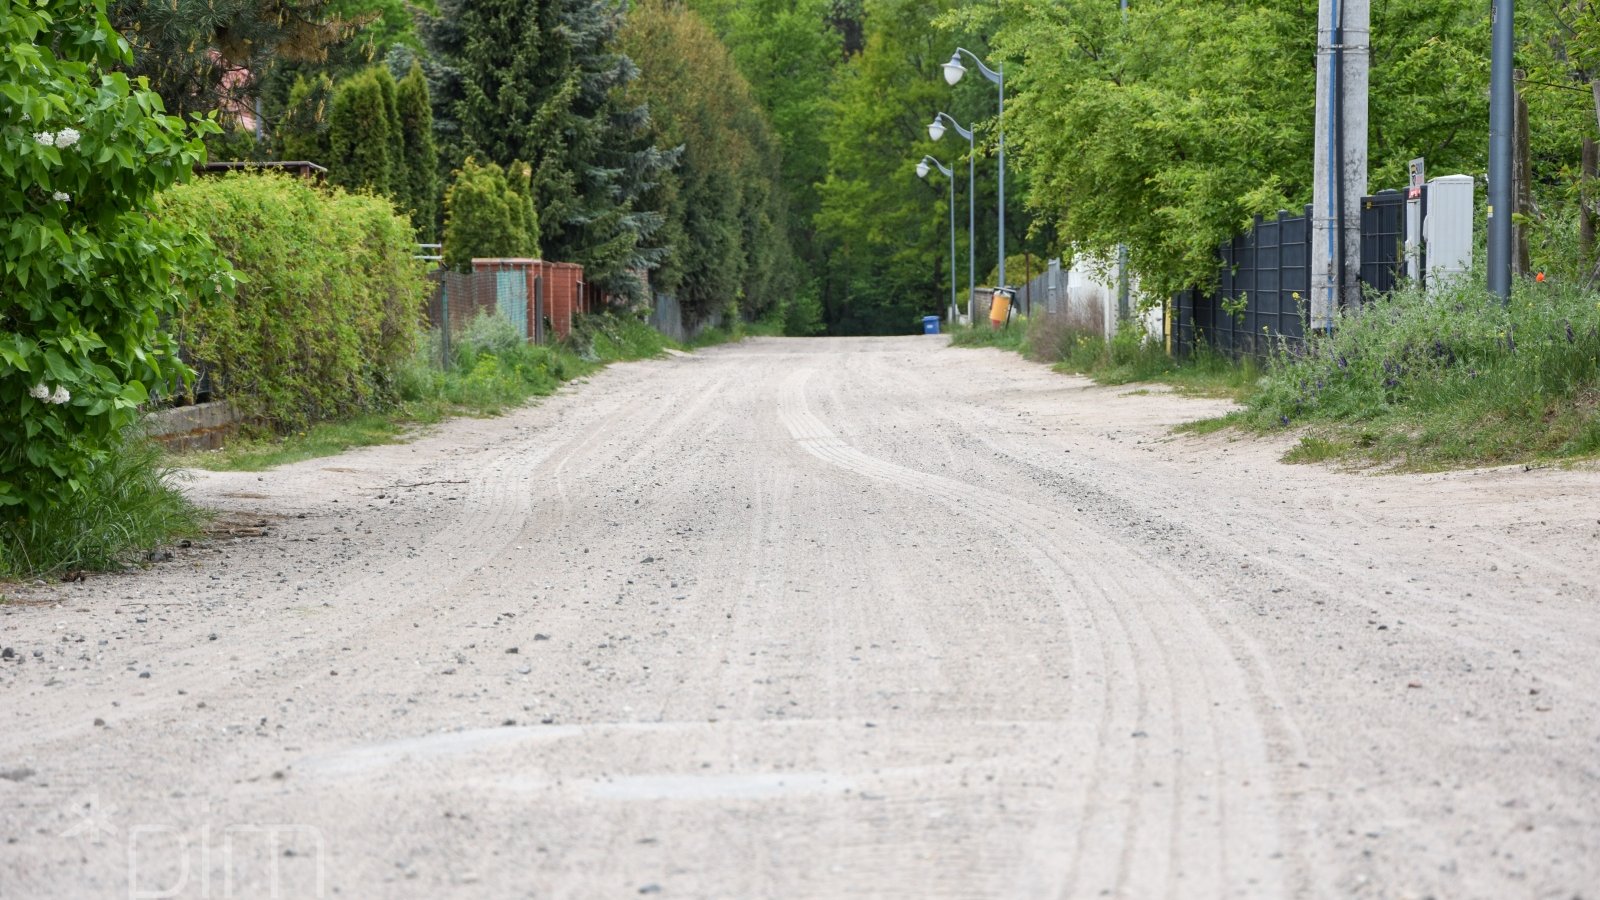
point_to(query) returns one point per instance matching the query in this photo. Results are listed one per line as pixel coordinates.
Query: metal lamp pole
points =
(936, 131)
(922, 172)
(953, 70)
(1502, 100)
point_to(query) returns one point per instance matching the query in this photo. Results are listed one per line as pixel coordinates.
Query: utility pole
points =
(1122, 249)
(1343, 60)
(1502, 101)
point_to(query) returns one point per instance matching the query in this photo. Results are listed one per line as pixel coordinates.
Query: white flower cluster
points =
(62, 139)
(42, 392)
(61, 196)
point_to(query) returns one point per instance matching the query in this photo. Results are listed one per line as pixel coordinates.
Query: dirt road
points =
(825, 618)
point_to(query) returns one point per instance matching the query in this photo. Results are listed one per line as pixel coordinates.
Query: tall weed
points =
(1448, 379)
(129, 504)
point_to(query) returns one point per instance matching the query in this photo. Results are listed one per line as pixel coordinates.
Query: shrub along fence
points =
(328, 307)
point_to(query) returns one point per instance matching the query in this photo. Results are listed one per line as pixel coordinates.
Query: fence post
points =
(444, 316)
(538, 309)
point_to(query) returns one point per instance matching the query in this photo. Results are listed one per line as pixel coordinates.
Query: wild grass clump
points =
(1079, 346)
(610, 338)
(128, 505)
(1011, 337)
(1448, 379)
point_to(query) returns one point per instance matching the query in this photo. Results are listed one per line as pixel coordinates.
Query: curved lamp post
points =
(936, 130)
(953, 70)
(922, 172)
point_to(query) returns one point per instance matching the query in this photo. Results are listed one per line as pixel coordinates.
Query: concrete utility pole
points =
(1122, 249)
(1502, 104)
(1344, 55)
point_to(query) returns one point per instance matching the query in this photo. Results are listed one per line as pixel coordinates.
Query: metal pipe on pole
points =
(1340, 165)
(953, 311)
(953, 70)
(950, 174)
(1502, 105)
(936, 131)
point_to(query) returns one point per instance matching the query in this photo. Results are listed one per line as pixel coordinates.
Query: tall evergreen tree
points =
(302, 132)
(359, 129)
(486, 216)
(420, 167)
(395, 185)
(538, 80)
(188, 48)
(727, 226)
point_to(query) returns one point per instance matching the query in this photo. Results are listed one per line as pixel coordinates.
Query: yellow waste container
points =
(999, 307)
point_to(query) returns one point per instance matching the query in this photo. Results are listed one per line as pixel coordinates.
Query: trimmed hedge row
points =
(329, 303)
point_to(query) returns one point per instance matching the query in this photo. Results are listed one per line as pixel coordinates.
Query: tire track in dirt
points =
(1163, 619)
(1128, 832)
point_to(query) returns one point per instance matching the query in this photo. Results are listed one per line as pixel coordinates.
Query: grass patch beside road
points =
(129, 504)
(1413, 381)
(492, 369)
(1443, 381)
(1125, 359)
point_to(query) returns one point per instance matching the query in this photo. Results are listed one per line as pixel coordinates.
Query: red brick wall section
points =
(561, 294)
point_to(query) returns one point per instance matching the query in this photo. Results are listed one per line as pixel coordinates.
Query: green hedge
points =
(330, 301)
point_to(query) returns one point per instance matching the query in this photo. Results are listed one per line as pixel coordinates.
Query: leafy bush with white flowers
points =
(87, 273)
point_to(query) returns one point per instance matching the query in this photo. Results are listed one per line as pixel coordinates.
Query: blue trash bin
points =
(930, 324)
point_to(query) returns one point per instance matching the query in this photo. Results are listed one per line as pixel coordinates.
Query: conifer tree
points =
(303, 132)
(359, 135)
(419, 155)
(486, 217)
(538, 80)
(395, 186)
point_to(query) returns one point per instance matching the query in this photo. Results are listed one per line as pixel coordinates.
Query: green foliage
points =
(486, 217)
(616, 338)
(882, 231)
(787, 50)
(726, 229)
(129, 503)
(1450, 379)
(1127, 141)
(303, 132)
(418, 179)
(1013, 337)
(194, 51)
(541, 81)
(330, 303)
(86, 275)
(1130, 356)
(362, 130)
(802, 312)
(492, 369)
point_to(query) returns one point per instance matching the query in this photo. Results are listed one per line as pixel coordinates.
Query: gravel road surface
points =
(824, 618)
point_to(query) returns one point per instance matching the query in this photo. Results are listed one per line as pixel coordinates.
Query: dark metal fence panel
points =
(1383, 239)
(1269, 269)
(1263, 281)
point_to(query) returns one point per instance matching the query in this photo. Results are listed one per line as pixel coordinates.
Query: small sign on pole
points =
(1418, 179)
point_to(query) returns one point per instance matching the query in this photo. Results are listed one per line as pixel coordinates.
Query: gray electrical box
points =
(1447, 229)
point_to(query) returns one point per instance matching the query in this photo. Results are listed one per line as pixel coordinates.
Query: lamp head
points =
(953, 70)
(922, 169)
(936, 128)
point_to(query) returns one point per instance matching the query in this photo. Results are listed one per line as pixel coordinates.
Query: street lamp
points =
(922, 172)
(936, 131)
(953, 70)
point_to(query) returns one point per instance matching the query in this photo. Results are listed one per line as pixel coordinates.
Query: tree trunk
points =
(1586, 203)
